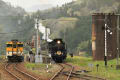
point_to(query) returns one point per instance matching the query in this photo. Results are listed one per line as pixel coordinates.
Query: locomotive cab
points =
(14, 51)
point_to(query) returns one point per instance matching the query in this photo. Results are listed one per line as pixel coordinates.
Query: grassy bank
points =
(110, 73)
(33, 65)
(41, 69)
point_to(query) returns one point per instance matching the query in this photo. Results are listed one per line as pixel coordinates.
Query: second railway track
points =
(83, 76)
(67, 73)
(17, 73)
(60, 76)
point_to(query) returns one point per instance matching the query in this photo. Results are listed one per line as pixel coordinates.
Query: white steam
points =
(44, 30)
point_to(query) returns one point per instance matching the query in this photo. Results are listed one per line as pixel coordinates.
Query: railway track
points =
(71, 74)
(83, 76)
(58, 75)
(17, 73)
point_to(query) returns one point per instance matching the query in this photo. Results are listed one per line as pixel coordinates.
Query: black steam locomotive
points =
(57, 49)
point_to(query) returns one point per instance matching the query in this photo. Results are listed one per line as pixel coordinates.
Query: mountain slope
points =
(81, 10)
(14, 24)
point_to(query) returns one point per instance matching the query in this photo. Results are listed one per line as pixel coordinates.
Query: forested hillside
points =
(81, 8)
(15, 23)
(72, 21)
(6, 9)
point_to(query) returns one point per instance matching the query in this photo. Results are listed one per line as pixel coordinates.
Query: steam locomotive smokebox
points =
(98, 35)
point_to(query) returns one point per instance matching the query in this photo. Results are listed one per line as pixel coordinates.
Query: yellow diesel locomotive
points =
(14, 51)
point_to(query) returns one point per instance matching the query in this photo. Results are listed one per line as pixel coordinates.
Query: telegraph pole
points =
(46, 38)
(37, 37)
(118, 47)
(37, 51)
(118, 41)
(65, 35)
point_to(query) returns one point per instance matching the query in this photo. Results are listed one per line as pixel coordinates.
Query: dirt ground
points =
(41, 73)
(4, 75)
(52, 71)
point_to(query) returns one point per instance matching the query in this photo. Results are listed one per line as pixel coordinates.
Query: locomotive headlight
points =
(59, 53)
(58, 42)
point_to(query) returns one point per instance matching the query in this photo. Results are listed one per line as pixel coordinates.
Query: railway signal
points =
(105, 37)
(107, 30)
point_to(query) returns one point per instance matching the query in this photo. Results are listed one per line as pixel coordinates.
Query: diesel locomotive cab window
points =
(14, 46)
(20, 45)
(9, 45)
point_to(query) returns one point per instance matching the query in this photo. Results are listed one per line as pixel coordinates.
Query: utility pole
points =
(118, 41)
(37, 49)
(37, 37)
(46, 39)
(118, 47)
(65, 35)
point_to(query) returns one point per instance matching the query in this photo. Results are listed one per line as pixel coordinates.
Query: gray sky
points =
(33, 5)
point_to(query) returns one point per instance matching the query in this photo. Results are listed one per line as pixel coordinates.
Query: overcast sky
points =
(33, 5)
